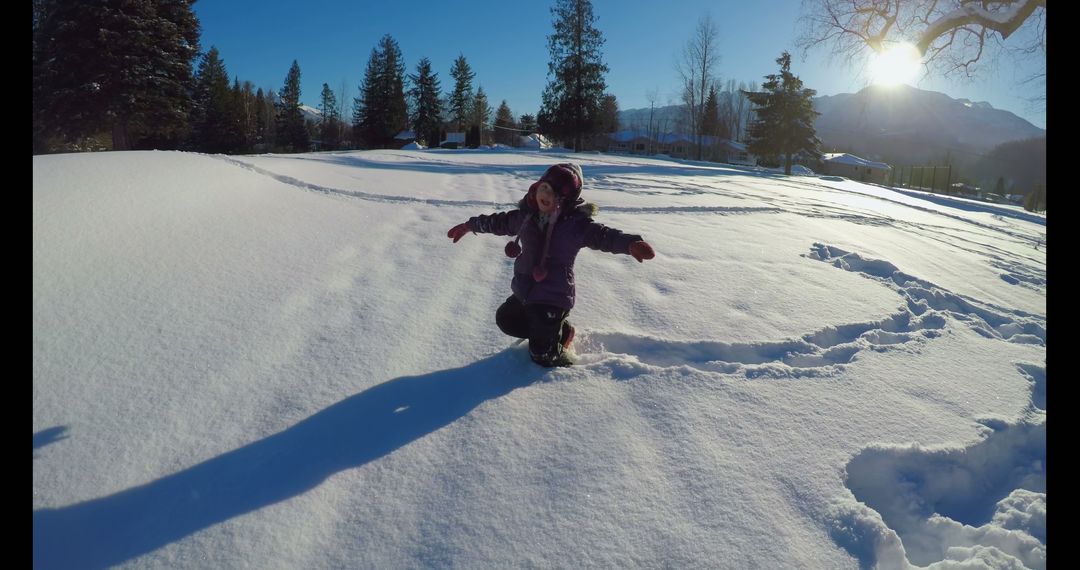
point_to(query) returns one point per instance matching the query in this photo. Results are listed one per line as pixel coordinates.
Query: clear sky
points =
(505, 43)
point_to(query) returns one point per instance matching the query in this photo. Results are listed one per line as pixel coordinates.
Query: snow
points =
(801, 170)
(281, 361)
(535, 141)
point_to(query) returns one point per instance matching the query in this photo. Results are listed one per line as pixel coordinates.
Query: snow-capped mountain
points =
(901, 125)
(311, 114)
(906, 125)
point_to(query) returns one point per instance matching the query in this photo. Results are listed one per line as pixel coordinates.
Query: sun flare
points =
(896, 65)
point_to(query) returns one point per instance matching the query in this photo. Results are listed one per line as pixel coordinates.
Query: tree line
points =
(130, 75)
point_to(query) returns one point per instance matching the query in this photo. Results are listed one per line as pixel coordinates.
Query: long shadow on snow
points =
(110, 530)
(49, 436)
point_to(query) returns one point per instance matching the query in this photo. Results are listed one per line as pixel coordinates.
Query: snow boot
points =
(567, 336)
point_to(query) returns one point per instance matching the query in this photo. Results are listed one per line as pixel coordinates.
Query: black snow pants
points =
(542, 324)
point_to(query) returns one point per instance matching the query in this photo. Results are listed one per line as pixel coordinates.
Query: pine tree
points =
(113, 65)
(367, 101)
(266, 122)
(1036, 200)
(571, 100)
(785, 117)
(427, 107)
(461, 99)
(291, 128)
(710, 119)
(609, 114)
(480, 117)
(329, 128)
(216, 122)
(505, 126)
(527, 123)
(381, 111)
(246, 107)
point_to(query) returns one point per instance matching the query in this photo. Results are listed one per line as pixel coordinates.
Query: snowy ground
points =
(280, 361)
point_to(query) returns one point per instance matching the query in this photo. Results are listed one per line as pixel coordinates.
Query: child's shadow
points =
(110, 530)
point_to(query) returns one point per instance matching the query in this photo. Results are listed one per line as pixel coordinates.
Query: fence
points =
(929, 178)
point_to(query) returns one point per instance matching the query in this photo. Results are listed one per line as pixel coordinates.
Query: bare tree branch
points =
(950, 34)
(1004, 22)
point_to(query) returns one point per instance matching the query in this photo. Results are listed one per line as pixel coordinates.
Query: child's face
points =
(545, 198)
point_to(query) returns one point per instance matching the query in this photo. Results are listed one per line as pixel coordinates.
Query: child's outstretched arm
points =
(457, 232)
(500, 224)
(600, 237)
(641, 251)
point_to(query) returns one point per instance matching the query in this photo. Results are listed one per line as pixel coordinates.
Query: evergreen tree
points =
(711, 124)
(571, 100)
(366, 101)
(245, 105)
(505, 126)
(381, 111)
(710, 119)
(785, 117)
(1036, 200)
(461, 99)
(527, 123)
(265, 119)
(113, 65)
(291, 128)
(609, 114)
(427, 107)
(480, 117)
(329, 128)
(999, 188)
(215, 124)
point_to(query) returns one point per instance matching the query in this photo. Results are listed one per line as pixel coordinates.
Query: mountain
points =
(902, 125)
(908, 126)
(311, 114)
(638, 119)
(1020, 165)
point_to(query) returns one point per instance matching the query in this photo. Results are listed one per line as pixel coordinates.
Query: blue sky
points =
(505, 43)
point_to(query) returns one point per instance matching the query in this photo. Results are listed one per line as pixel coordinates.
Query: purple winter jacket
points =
(573, 230)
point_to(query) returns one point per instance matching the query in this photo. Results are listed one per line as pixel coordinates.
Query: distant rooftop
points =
(845, 158)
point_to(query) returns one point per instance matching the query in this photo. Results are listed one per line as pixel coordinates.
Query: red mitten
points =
(457, 232)
(641, 251)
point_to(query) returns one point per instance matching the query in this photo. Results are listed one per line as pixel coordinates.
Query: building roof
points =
(852, 160)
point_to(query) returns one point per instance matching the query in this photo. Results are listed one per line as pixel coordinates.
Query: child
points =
(552, 223)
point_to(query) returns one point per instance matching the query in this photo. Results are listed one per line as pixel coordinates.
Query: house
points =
(403, 138)
(453, 140)
(735, 153)
(629, 142)
(855, 168)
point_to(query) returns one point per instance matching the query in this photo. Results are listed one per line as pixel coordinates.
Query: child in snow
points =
(552, 223)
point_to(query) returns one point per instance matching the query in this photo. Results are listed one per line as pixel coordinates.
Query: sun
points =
(897, 65)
